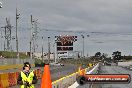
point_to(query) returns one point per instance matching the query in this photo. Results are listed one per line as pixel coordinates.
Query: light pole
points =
(42, 51)
(55, 51)
(48, 50)
(87, 49)
(83, 44)
(33, 53)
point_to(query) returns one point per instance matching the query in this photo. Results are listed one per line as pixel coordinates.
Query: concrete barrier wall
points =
(67, 81)
(94, 70)
(125, 64)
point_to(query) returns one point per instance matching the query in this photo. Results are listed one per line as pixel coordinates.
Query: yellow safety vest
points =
(29, 79)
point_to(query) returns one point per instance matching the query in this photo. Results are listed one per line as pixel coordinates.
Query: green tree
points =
(116, 56)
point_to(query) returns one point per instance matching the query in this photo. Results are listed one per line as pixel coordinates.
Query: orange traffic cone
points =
(46, 78)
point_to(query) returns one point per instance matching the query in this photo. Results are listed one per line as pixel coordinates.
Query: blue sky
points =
(108, 22)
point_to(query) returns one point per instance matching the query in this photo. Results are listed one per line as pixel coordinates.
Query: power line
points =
(79, 32)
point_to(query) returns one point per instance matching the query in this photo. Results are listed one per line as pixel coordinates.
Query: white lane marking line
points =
(75, 85)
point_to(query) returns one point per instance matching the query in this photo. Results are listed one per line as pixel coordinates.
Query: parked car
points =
(57, 64)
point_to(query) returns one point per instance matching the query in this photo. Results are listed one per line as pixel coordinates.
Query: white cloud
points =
(112, 16)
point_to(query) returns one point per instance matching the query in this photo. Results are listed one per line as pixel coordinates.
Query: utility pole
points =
(17, 17)
(8, 34)
(1, 40)
(83, 44)
(31, 38)
(33, 48)
(4, 37)
(42, 51)
(56, 57)
(55, 51)
(48, 50)
(36, 34)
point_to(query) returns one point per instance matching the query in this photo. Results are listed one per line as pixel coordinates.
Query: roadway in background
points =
(111, 70)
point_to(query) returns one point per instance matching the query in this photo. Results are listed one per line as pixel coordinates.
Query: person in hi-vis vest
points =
(27, 78)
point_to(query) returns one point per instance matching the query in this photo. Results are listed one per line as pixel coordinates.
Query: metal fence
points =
(15, 61)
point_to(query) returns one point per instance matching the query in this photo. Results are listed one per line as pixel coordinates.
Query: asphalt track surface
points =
(56, 73)
(111, 70)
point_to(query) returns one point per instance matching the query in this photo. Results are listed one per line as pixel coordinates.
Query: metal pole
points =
(31, 39)
(83, 44)
(33, 53)
(4, 37)
(42, 51)
(56, 53)
(83, 47)
(4, 46)
(16, 34)
(30, 51)
(87, 49)
(5, 40)
(1, 40)
(48, 50)
(17, 17)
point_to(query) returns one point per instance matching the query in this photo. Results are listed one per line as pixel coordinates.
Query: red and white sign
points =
(108, 78)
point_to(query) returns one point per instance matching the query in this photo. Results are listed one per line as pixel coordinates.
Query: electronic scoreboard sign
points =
(65, 43)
